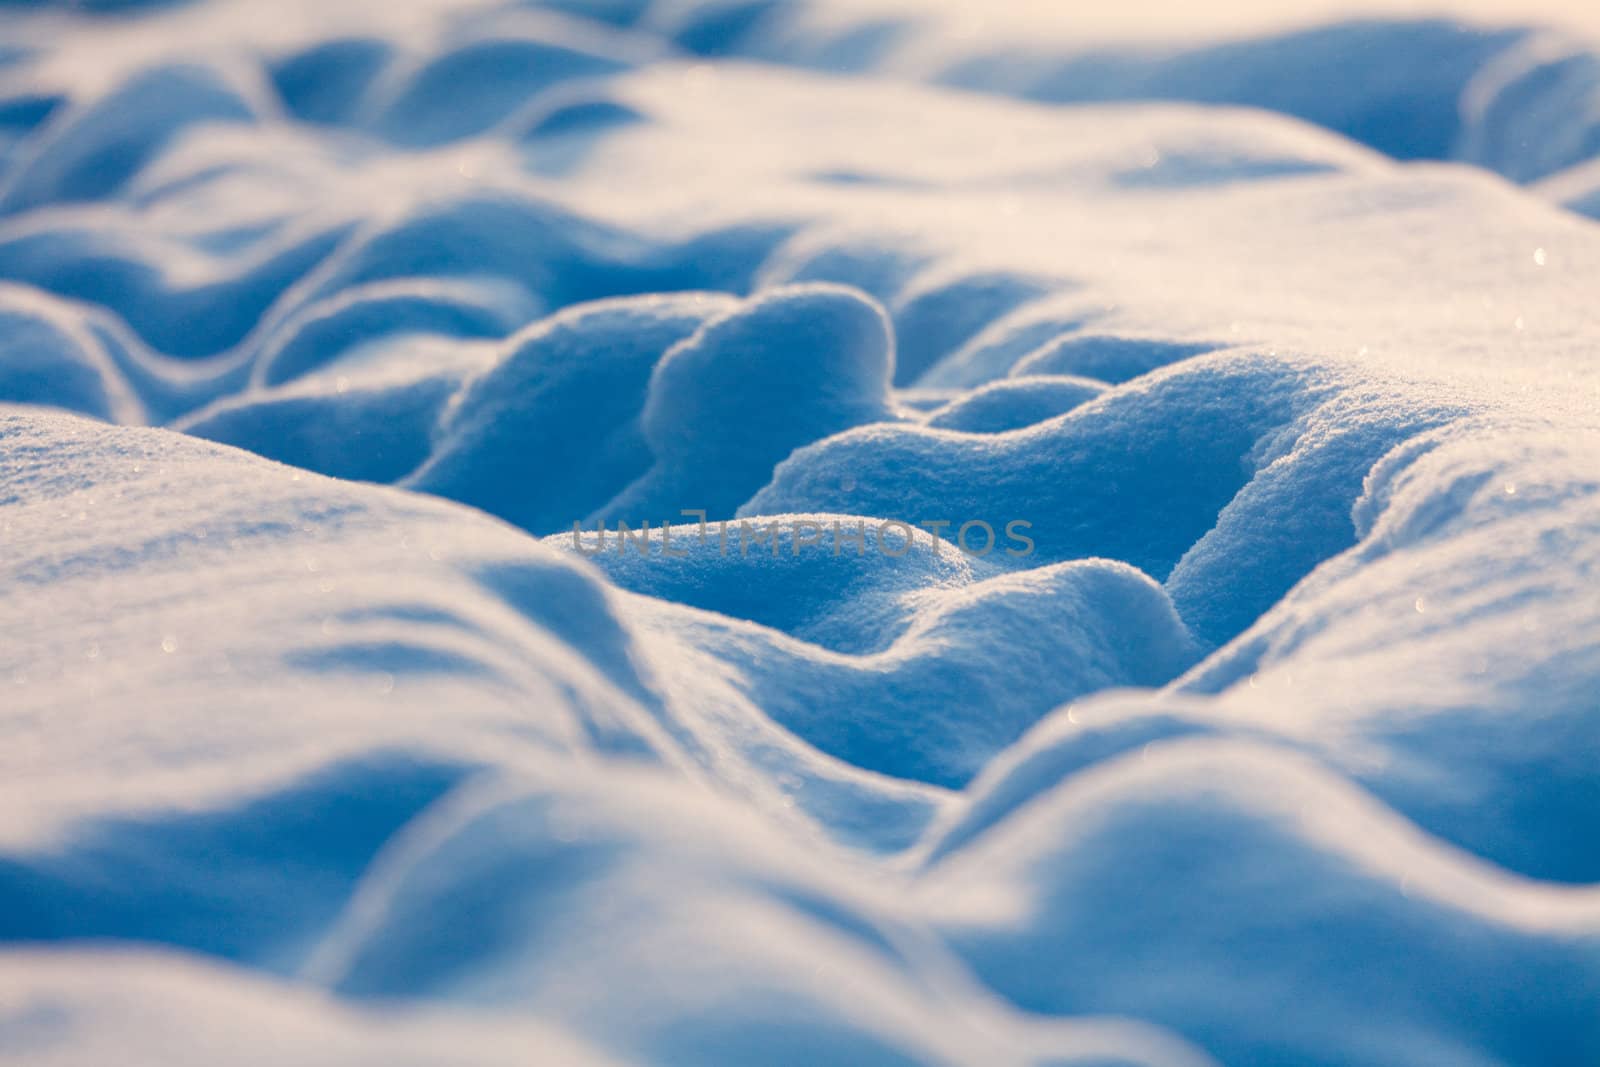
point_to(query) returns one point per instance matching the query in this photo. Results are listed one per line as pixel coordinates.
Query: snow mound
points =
(1016, 403)
(787, 961)
(141, 1008)
(552, 431)
(1291, 857)
(91, 150)
(847, 583)
(48, 357)
(727, 404)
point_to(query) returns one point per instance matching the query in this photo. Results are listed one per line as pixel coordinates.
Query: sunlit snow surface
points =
(324, 740)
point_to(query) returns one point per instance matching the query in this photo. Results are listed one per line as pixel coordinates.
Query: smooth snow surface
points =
(1112, 556)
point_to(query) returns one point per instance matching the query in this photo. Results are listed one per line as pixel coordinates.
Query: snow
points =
(571, 390)
(1112, 514)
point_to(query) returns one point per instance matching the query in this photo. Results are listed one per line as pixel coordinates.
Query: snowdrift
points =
(719, 533)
